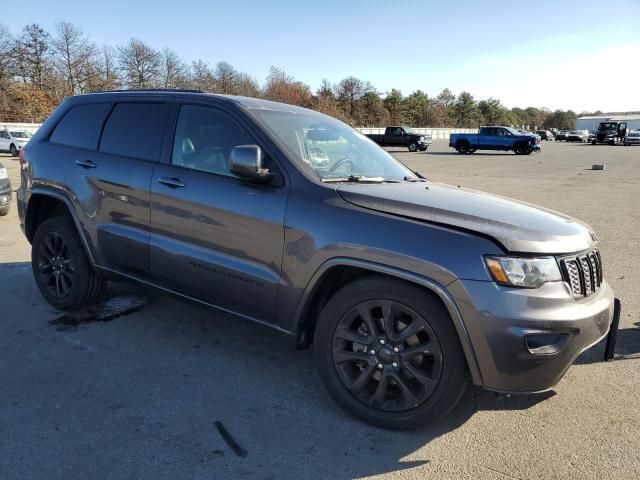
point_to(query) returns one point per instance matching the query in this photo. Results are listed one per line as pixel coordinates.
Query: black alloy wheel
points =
(387, 355)
(61, 268)
(387, 351)
(55, 265)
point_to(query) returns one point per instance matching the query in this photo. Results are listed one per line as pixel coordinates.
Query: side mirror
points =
(245, 161)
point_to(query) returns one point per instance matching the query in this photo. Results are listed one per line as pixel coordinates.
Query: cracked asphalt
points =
(146, 386)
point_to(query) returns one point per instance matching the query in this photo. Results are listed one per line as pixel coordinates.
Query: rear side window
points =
(135, 130)
(81, 125)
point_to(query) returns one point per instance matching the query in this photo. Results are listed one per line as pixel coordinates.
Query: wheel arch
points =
(43, 204)
(337, 272)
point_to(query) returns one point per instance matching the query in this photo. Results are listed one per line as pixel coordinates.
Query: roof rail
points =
(185, 90)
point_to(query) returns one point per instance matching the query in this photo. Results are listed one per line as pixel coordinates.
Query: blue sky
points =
(555, 54)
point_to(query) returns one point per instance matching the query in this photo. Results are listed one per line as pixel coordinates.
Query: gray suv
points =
(406, 289)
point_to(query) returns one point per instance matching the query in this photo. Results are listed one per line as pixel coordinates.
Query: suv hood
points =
(517, 226)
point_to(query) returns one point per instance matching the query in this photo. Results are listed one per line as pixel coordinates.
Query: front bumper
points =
(524, 340)
(5, 194)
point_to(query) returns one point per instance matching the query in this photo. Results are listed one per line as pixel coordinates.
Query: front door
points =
(215, 236)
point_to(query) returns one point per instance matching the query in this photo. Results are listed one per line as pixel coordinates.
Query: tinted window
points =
(4, 135)
(204, 139)
(135, 130)
(80, 126)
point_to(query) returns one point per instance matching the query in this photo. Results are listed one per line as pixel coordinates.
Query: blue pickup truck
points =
(496, 138)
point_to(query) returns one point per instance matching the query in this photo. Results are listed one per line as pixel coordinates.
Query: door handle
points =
(171, 182)
(86, 164)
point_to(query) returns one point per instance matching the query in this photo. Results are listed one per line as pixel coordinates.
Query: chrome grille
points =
(583, 273)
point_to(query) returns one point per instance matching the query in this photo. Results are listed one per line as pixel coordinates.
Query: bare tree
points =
(173, 70)
(246, 85)
(224, 76)
(31, 55)
(6, 68)
(201, 77)
(74, 57)
(140, 64)
(281, 87)
(106, 74)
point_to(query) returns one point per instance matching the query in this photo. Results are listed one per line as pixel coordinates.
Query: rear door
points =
(111, 184)
(215, 236)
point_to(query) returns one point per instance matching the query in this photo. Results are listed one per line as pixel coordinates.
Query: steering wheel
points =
(339, 163)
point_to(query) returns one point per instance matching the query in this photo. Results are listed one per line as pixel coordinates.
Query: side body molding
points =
(435, 287)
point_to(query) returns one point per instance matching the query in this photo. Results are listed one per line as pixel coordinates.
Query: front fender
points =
(430, 284)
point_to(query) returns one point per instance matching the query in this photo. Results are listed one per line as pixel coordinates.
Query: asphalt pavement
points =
(152, 387)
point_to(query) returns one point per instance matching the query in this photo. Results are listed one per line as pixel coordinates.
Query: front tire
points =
(61, 268)
(519, 148)
(389, 354)
(4, 211)
(13, 150)
(413, 147)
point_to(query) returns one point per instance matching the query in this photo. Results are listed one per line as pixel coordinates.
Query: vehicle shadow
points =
(171, 379)
(627, 347)
(475, 154)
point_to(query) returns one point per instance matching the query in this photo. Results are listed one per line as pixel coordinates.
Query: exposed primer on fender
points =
(104, 312)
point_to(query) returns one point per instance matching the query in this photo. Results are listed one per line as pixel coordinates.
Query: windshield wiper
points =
(414, 179)
(358, 179)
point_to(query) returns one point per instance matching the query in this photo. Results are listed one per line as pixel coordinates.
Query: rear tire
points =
(4, 210)
(462, 146)
(62, 271)
(418, 381)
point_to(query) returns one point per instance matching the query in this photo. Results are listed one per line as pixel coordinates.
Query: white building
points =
(591, 123)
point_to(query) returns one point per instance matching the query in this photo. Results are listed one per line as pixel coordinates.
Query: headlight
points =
(523, 272)
(3, 173)
(422, 139)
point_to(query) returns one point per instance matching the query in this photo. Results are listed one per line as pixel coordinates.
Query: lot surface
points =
(113, 396)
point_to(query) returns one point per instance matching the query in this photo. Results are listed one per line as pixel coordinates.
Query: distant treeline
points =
(39, 68)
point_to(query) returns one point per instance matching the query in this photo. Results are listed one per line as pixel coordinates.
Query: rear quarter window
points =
(81, 125)
(135, 130)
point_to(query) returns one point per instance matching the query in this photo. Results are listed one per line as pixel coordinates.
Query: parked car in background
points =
(592, 137)
(610, 132)
(405, 288)
(632, 138)
(495, 138)
(5, 191)
(12, 141)
(545, 135)
(402, 137)
(561, 135)
(578, 136)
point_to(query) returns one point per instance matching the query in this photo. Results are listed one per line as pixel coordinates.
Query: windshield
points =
(513, 131)
(607, 126)
(634, 134)
(330, 148)
(410, 130)
(20, 134)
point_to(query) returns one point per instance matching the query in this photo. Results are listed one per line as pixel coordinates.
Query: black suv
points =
(406, 288)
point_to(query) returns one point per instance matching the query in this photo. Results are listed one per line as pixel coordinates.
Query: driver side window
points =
(204, 138)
